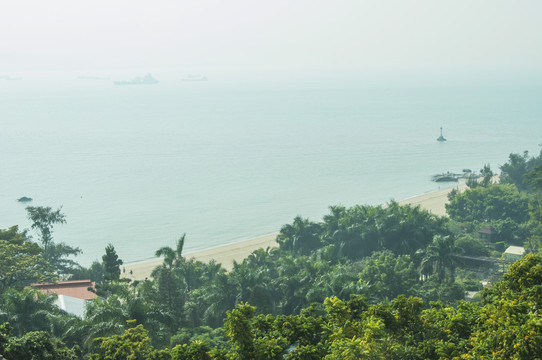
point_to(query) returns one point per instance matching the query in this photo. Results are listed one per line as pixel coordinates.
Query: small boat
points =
(24, 199)
(441, 138)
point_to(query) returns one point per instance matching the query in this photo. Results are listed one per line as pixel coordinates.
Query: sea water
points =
(224, 161)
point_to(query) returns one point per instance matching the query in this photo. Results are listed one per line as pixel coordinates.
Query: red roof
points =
(76, 288)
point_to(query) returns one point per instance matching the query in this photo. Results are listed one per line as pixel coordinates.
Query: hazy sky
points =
(275, 36)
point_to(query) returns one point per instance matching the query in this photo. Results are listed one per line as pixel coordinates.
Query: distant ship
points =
(441, 138)
(145, 80)
(194, 78)
(7, 77)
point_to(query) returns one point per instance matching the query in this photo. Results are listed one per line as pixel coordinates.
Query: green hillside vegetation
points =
(366, 282)
(505, 324)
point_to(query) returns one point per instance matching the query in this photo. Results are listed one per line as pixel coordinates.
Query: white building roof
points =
(515, 250)
(71, 305)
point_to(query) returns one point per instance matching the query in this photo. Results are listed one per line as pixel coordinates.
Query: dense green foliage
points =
(534, 179)
(501, 206)
(506, 324)
(473, 246)
(440, 258)
(518, 165)
(366, 250)
(133, 344)
(21, 261)
(487, 204)
(359, 231)
(34, 345)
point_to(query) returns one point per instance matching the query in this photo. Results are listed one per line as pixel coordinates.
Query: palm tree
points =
(355, 241)
(440, 257)
(29, 310)
(170, 286)
(172, 257)
(68, 328)
(104, 317)
(212, 270)
(220, 296)
(302, 236)
(405, 229)
(333, 220)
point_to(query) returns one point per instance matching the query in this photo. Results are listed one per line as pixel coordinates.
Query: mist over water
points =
(223, 161)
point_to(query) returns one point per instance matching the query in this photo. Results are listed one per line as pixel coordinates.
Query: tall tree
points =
(534, 178)
(441, 257)
(43, 220)
(111, 264)
(487, 175)
(172, 257)
(171, 287)
(111, 282)
(474, 181)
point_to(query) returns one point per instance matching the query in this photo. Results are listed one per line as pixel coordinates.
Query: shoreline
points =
(433, 201)
(195, 253)
(223, 254)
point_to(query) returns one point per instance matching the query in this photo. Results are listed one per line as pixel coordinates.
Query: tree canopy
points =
(484, 204)
(504, 325)
(513, 171)
(358, 231)
(21, 261)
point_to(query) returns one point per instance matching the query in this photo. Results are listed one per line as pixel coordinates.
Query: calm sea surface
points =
(137, 166)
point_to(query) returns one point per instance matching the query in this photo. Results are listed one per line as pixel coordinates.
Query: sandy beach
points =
(432, 201)
(225, 255)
